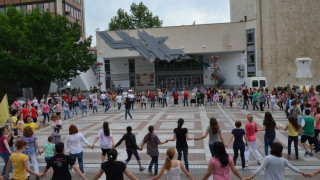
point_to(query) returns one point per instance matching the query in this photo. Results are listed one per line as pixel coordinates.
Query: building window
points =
(251, 58)
(132, 72)
(29, 8)
(52, 7)
(46, 6)
(107, 66)
(40, 6)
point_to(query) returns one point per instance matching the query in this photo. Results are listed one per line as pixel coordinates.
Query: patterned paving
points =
(164, 120)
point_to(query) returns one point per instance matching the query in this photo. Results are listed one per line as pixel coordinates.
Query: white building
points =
(275, 39)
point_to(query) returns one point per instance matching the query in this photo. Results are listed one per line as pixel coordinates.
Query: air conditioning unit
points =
(240, 67)
(241, 73)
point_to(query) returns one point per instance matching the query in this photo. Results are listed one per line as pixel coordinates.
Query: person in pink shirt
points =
(219, 164)
(17, 104)
(45, 112)
(313, 100)
(251, 130)
(317, 130)
(57, 108)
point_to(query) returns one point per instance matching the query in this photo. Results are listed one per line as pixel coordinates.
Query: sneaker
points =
(258, 162)
(243, 169)
(150, 172)
(311, 154)
(306, 153)
(247, 164)
(142, 169)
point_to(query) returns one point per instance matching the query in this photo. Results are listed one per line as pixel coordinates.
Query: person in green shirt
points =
(307, 129)
(48, 150)
(255, 100)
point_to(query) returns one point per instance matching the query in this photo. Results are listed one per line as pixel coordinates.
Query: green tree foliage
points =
(37, 47)
(140, 17)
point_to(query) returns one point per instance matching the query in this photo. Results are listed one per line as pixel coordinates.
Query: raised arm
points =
(120, 141)
(263, 128)
(160, 173)
(174, 137)
(98, 175)
(234, 170)
(230, 140)
(75, 167)
(185, 171)
(94, 142)
(130, 175)
(221, 137)
(204, 136)
(209, 172)
(188, 137)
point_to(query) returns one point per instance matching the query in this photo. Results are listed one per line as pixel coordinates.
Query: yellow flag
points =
(4, 110)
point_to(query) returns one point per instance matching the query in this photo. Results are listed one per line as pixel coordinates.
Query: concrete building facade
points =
(286, 37)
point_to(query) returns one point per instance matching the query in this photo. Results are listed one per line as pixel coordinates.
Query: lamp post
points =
(99, 73)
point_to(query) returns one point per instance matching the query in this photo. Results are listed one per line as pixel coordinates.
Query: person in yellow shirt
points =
(293, 128)
(20, 163)
(14, 120)
(304, 89)
(33, 125)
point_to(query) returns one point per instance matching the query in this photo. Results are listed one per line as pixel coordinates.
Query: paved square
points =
(165, 120)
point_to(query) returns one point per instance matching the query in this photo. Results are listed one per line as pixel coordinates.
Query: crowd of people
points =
(19, 146)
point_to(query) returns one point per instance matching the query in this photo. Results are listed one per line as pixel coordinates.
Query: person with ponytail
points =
(152, 141)
(251, 130)
(106, 140)
(269, 126)
(173, 167)
(181, 135)
(214, 134)
(293, 128)
(114, 169)
(219, 164)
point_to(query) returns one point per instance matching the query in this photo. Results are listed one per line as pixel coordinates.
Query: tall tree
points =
(38, 48)
(140, 17)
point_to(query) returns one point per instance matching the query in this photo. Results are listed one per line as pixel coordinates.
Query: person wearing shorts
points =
(307, 129)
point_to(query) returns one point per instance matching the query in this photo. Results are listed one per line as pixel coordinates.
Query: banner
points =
(4, 110)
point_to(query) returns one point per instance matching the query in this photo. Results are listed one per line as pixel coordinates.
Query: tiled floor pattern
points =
(165, 120)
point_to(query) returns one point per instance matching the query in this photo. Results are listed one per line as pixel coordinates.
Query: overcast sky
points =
(172, 12)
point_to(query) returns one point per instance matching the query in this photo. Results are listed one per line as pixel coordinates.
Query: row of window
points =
(77, 1)
(73, 12)
(41, 6)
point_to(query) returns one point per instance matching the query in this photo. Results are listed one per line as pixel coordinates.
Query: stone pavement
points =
(165, 120)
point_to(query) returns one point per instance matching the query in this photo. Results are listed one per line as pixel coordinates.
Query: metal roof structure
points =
(151, 48)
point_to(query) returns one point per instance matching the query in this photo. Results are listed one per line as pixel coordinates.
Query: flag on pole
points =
(4, 110)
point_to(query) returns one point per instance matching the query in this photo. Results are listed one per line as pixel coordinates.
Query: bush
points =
(318, 88)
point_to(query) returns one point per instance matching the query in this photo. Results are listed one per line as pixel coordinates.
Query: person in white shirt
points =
(35, 103)
(102, 97)
(124, 94)
(119, 100)
(73, 141)
(106, 140)
(131, 97)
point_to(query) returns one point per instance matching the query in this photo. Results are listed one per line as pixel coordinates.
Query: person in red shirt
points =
(33, 113)
(79, 98)
(185, 98)
(65, 97)
(175, 98)
(24, 111)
